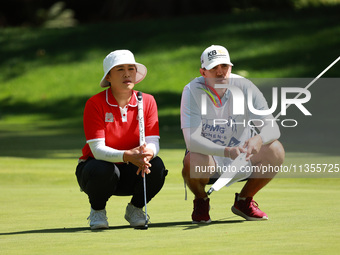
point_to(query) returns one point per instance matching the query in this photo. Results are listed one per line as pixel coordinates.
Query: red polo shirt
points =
(103, 118)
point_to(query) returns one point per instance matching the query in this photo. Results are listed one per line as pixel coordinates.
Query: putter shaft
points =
(146, 212)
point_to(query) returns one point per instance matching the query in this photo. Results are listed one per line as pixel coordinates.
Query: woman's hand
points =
(140, 157)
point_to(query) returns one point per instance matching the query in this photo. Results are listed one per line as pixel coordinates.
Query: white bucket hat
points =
(213, 56)
(121, 57)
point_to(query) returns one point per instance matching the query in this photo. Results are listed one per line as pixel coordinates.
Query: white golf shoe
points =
(98, 219)
(135, 216)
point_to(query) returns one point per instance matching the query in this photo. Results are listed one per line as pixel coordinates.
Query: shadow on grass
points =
(187, 225)
(312, 31)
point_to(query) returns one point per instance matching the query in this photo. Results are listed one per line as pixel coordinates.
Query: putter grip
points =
(139, 96)
(141, 118)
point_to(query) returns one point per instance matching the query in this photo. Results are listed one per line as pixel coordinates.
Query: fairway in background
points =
(48, 74)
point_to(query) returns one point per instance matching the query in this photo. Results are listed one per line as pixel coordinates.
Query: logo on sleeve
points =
(109, 117)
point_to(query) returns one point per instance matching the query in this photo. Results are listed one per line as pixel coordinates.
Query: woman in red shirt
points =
(113, 162)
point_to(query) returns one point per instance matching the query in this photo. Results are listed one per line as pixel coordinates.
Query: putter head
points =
(143, 227)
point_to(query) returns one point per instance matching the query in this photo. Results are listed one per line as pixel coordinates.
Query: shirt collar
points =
(110, 99)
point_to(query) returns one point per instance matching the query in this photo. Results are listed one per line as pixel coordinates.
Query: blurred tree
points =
(56, 16)
(39, 12)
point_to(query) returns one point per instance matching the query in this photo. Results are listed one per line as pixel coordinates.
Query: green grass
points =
(48, 74)
(43, 212)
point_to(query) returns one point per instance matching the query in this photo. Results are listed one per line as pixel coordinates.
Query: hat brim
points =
(140, 75)
(218, 62)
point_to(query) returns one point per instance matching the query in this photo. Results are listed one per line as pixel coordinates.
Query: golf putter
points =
(141, 142)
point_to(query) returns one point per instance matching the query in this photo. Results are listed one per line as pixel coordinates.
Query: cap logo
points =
(215, 54)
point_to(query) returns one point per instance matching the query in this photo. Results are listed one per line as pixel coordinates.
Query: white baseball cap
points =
(121, 57)
(213, 56)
